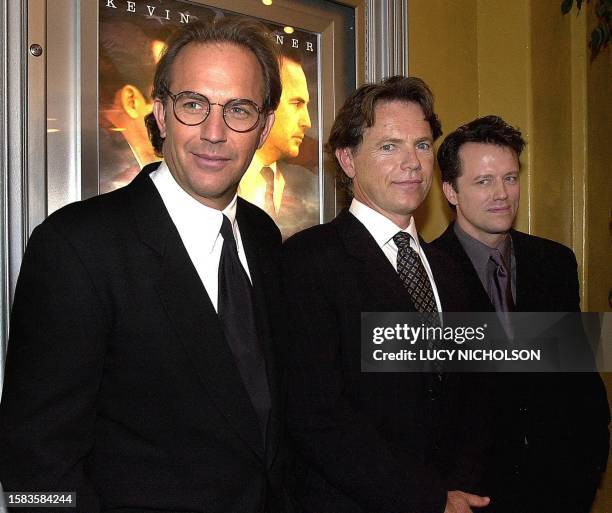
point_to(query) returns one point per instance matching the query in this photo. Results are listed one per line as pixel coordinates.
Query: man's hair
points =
(358, 112)
(118, 64)
(488, 130)
(248, 34)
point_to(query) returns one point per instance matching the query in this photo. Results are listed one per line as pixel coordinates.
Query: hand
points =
(461, 502)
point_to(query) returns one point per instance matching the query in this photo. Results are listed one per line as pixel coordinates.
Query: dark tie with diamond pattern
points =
(413, 275)
(415, 279)
(237, 315)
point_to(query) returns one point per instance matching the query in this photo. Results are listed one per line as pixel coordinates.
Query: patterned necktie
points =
(268, 176)
(415, 279)
(237, 315)
(413, 275)
(500, 290)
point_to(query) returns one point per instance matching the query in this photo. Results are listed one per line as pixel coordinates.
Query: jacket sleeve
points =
(53, 371)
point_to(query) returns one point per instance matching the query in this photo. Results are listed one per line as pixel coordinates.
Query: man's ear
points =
(450, 193)
(345, 159)
(266, 129)
(159, 112)
(132, 101)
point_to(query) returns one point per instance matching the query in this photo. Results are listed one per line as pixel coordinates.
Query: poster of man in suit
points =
(286, 190)
(131, 36)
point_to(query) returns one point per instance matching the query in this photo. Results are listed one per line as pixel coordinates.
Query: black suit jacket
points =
(119, 382)
(551, 429)
(368, 442)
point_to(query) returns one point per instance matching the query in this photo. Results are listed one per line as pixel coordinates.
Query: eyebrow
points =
(490, 175)
(399, 140)
(394, 140)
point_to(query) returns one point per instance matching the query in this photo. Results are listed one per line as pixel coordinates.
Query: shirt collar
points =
(480, 253)
(381, 227)
(191, 217)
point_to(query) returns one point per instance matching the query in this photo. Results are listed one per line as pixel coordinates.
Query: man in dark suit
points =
(551, 429)
(375, 442)
(140, 369)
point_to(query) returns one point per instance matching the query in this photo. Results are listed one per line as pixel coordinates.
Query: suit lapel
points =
(192, 313)
(385, 289)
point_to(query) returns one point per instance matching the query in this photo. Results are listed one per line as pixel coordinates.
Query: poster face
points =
(283, 177)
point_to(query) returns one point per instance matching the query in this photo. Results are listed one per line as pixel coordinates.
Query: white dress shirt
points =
(198, 226)
(383, 230)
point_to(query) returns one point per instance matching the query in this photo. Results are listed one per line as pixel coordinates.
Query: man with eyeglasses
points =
(140, 370)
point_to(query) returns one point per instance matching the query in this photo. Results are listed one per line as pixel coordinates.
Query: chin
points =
(411, 206)
(498, 230)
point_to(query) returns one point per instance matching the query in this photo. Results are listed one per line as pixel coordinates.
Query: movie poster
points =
(283, 177)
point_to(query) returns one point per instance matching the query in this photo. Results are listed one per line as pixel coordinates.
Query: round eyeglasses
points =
(191, 109)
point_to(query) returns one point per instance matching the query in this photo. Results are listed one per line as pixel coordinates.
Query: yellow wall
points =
(442, 50)
(475, 66)
(527, 62)
(598, 206)
(599, 180)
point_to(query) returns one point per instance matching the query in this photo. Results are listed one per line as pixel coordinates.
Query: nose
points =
(213, 129)
(411, 160)
(305, 119)
(500, 191)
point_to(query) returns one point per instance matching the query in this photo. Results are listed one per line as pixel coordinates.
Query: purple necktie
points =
(500, 291)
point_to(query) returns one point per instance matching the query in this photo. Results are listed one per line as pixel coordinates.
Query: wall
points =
(442, 50)
(599, 181)
(598, 206)
(490, 56)
(528, 63)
